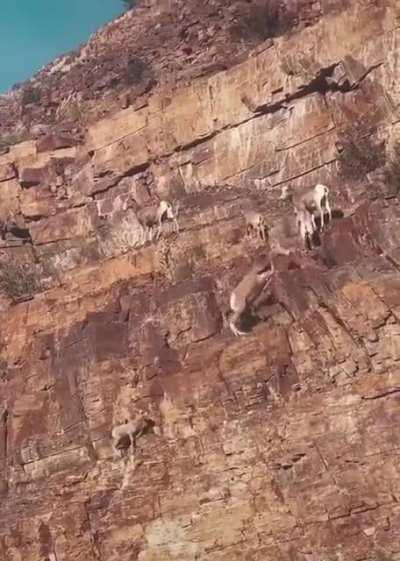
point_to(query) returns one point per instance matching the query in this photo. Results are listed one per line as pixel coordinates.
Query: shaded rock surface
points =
(280, 445)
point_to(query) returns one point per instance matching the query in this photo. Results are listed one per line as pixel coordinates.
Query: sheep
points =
(247, 291)
(154, 215)
(314, 200)
(283, 235)
(125, 435)
(255, 222)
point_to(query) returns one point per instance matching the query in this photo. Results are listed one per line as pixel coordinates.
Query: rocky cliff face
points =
(280, 445)
(160, 45)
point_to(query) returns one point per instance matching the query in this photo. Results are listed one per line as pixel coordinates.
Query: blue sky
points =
(34, 32)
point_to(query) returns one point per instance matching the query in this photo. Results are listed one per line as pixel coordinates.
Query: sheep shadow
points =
(21, 233)
(315, 240)
(254, 315)
(249, 320)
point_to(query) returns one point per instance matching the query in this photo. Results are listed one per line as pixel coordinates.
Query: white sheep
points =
(154, 215)
(254, 222)
(313, 200)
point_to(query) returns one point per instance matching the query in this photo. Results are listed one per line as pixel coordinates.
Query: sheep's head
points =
(165, 208)
(285, 193)
(321, 190)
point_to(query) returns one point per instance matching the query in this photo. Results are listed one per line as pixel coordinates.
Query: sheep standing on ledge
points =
(255, 222)
(314, 200)
(154, 215)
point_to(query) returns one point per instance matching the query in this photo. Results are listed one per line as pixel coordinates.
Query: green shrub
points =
(30, 94)
(10, 139)
(19, 281)
(359, 152)
(137, 71)
(263, 21)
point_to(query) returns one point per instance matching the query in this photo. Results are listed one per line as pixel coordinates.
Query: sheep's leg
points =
(269, 279)
(321, 212)
(313, 222)
(279, 250)
(310, 234)
(133, 445)
(139, 433)
(117, 452)
(304, 232)
(234, 319)
(261, 297)
(237, 332)
(159, 229)
(176, 225)
(143, 236)
(309, 227)
(298, 220)
(328, 208)
(283, 251)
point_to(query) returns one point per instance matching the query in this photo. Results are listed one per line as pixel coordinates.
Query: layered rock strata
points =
(280, 445)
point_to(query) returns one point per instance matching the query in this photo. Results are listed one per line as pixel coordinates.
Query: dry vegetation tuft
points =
(262, 21)
(359, 152)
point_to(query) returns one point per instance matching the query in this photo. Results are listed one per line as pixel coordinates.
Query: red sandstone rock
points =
(279, 445)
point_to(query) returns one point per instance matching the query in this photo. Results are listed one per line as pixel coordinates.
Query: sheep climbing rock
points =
(255, 222)
(314, 201)
(153, 216)
(247, 291)
(124, 436)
